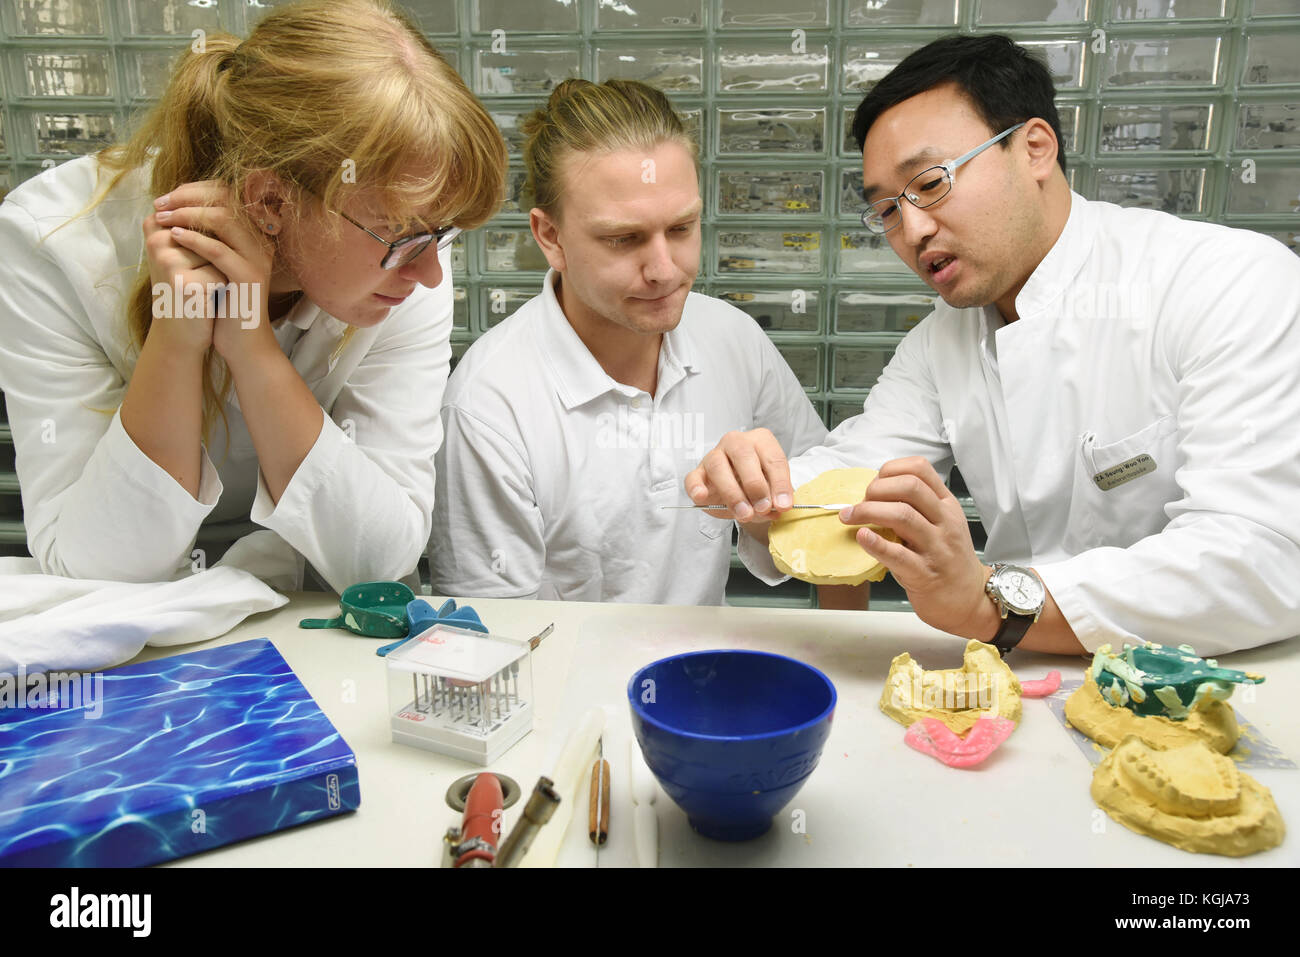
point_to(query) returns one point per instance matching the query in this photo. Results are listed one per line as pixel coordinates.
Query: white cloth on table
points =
(49, 623)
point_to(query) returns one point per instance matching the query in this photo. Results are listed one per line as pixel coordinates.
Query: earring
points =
(269, 227)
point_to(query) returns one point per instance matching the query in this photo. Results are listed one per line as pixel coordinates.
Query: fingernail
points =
(177, 231)
(783, 501)
(163, 215)
(762, 505)
(696, 492)
(161, 201)
(846, 514)
(743, 512)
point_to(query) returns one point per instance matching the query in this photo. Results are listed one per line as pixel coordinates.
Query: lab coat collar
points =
(579, 377)
(1062, 264)
(316, 352)
(992, 321)
(303, 313)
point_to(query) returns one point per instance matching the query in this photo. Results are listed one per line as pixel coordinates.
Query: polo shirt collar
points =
(680, 349)
(579, 378)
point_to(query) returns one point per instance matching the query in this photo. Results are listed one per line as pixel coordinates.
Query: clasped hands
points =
(934, 559)
(195, 240)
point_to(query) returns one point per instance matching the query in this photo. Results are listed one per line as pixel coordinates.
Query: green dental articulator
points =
(1152, 679)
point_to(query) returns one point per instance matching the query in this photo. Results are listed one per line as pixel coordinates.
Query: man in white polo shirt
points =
(572, 423)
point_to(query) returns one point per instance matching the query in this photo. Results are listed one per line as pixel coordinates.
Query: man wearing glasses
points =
(1119, 388)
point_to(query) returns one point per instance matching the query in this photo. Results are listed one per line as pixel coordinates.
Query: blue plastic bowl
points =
(731, 735)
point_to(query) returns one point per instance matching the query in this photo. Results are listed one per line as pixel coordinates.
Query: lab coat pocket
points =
(1120, 487)
(712, 528)
(1104, 459)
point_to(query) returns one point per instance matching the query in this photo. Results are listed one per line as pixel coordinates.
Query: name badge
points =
(1117, 475)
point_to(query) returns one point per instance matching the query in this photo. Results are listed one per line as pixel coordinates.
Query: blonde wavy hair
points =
(318, 87)
(585, 117)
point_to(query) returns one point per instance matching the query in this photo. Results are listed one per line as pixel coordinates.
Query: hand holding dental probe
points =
(748, 472)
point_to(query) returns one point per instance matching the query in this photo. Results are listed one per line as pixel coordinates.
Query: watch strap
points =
(1013, 628)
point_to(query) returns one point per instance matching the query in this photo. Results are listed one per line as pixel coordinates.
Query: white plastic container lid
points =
(457, 653)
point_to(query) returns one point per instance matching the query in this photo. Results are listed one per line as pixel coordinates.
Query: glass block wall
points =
(1190, 106)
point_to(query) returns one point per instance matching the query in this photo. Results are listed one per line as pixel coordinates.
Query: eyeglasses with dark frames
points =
(404, 250)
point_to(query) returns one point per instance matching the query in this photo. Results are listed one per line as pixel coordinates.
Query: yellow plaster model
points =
(1213, 723)
(958, 697)
(1189, 797)
(815, 546)
(1166, 696)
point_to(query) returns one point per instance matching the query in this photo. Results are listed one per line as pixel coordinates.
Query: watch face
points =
(1020, 590)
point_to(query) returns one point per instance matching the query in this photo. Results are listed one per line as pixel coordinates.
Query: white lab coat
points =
(558, 472)
(1139, 335)
(95, 506)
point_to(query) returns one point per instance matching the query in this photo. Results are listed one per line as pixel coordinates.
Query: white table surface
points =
(871, 801)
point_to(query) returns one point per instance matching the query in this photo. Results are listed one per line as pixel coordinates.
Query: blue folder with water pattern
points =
(169, 758)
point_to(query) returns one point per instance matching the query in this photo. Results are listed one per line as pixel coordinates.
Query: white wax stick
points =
(645, 827)
(645, 819)
(644, 789)
(575, 759)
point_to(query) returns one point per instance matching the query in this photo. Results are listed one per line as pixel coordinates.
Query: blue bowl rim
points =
(632, 697)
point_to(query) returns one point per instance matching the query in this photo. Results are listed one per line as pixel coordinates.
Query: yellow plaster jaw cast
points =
(1213, 723)
(1125, 693)
(982, 686)
(1189, 797)
(816, 546)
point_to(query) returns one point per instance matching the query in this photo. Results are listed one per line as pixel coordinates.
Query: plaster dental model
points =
(815, 546)
(957, 697)
(1167, 697)
(1187, 796)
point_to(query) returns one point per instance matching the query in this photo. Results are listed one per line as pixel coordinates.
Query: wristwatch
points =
(1020, 595)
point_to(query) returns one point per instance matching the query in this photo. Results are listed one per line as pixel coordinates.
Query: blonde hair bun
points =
(583, 117)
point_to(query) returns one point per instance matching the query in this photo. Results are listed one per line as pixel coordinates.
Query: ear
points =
(265, 197)
(1041, 145)
(546, 231)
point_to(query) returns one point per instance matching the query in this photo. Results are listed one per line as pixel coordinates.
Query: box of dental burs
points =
(460, 693)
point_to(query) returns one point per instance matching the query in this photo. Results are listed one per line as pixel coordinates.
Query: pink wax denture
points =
(1041, 689)
(931, 736)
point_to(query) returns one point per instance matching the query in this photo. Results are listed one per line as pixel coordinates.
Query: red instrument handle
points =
(482, 819)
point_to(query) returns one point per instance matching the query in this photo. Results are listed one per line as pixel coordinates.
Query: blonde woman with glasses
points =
(243, 313)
